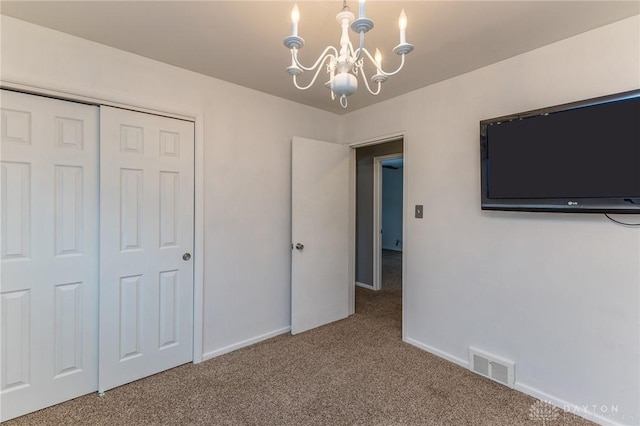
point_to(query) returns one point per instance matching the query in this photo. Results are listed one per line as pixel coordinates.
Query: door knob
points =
(186, 256)
(299, 246)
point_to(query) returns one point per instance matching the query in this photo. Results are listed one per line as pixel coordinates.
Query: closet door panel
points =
(49, 255)
(146, 268)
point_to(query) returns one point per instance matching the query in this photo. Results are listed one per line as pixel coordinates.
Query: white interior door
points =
(49, 288)
(146, 226)
(320, 233)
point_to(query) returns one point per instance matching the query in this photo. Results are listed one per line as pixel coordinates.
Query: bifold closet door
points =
(146, 222)
(49, 260)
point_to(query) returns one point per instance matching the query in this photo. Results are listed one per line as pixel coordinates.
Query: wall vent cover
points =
(492, 367)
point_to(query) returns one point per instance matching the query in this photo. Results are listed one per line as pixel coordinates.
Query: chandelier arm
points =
(388, 74)
(315, 76)
(353, 53)
(366, 83)
(361, 47)
(322, 57)
(356, 54)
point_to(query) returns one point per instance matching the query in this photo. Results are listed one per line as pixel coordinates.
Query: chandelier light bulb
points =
(402, 23)
(295, 18)
(361, 8)
(378, 58)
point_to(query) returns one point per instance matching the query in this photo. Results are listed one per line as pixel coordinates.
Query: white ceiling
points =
(241, 41)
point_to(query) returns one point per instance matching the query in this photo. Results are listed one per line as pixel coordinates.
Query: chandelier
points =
(344, 65)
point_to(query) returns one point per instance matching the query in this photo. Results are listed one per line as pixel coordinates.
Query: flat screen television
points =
(581, 157)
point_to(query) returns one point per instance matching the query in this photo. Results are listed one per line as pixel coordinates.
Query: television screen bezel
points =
(564, 205)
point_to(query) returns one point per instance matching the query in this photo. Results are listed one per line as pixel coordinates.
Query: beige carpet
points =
(392, 270)
(352, 372)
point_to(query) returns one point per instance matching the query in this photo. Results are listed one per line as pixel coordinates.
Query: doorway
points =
(379, 220)
(388, 171)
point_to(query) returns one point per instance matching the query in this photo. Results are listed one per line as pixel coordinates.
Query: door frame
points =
(377, 216)
(197, 117)
(401, 134)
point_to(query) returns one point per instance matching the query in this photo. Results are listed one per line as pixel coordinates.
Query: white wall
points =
(556, 293)
(247, 155)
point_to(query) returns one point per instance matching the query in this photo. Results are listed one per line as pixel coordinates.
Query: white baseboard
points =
(216, 353)
(586, 412)
(363, 285)
(461, 362)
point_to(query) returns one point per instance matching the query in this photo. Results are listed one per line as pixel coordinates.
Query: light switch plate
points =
(419, 211)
